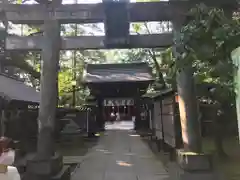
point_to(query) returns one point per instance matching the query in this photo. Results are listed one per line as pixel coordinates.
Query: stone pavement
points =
(120, 155)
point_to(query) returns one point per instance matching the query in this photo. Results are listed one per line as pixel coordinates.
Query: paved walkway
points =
(122, 125)
(120, 155)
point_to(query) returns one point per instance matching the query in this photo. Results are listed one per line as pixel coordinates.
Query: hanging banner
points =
(118, 102)
(236, 61)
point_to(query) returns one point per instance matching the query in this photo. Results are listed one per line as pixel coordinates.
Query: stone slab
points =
(52, 166)
(152, 177)
(88, 176)
(72, 159)
(120, 155)
(120, 176)
(190, 161)
(177, 173)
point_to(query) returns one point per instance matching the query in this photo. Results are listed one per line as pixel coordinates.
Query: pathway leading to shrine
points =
(120, 155)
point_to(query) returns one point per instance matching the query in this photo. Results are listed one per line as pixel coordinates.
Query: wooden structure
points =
(18, 118)
(117, 88)
(84, 117)
(163, 118)
(13, 89)
(53, 14)
(90, 122)
(15, 96)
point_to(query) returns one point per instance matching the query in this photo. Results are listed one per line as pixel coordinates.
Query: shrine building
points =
(118, 88)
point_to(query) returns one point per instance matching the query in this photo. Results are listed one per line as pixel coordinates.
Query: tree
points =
(209, 36)
(154, 54)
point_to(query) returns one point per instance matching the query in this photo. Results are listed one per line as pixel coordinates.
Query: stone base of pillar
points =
(193, 166)
(52, 169)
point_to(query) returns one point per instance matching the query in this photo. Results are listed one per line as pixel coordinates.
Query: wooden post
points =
(129, 111)
(2, 126)
(3, 31)
(3, 35)
(88, 120)
(188, 106)
(47, 110)
(74, 63)
(137, 111)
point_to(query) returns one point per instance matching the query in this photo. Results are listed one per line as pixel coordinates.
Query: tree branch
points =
(19, 62)
(152, 54)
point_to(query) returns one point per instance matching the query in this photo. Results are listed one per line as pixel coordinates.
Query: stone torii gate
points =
(54, 14)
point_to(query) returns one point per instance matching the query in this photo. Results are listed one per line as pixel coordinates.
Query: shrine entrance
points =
(123, 106)
(118, 89)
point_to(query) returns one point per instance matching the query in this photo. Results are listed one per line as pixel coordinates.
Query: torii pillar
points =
(47, 163)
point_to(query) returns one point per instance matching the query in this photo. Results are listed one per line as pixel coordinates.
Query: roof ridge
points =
(11, 77)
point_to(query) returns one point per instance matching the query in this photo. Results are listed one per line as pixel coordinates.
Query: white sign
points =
(236, 61)
(118, 102)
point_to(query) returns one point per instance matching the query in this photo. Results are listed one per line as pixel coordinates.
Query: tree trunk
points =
(188, 107)
(218, 136)
(48, 89)
(219, 142)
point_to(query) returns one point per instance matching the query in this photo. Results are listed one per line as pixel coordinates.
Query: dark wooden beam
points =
(89, 42)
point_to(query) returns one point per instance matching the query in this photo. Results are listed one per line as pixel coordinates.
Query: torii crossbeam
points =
(93, 13)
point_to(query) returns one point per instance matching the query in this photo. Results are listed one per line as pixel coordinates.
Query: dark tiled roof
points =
(128, 72)
(16, 90)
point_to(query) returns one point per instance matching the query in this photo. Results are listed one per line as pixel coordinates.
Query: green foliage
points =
(169, 65)
(208, 38)
(209, 34)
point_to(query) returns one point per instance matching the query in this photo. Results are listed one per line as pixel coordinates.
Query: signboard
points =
(118, 102)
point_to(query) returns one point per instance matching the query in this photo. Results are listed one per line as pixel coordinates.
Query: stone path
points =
(120, 155)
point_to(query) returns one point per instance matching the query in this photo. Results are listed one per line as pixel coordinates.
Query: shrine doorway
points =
(122, 106)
